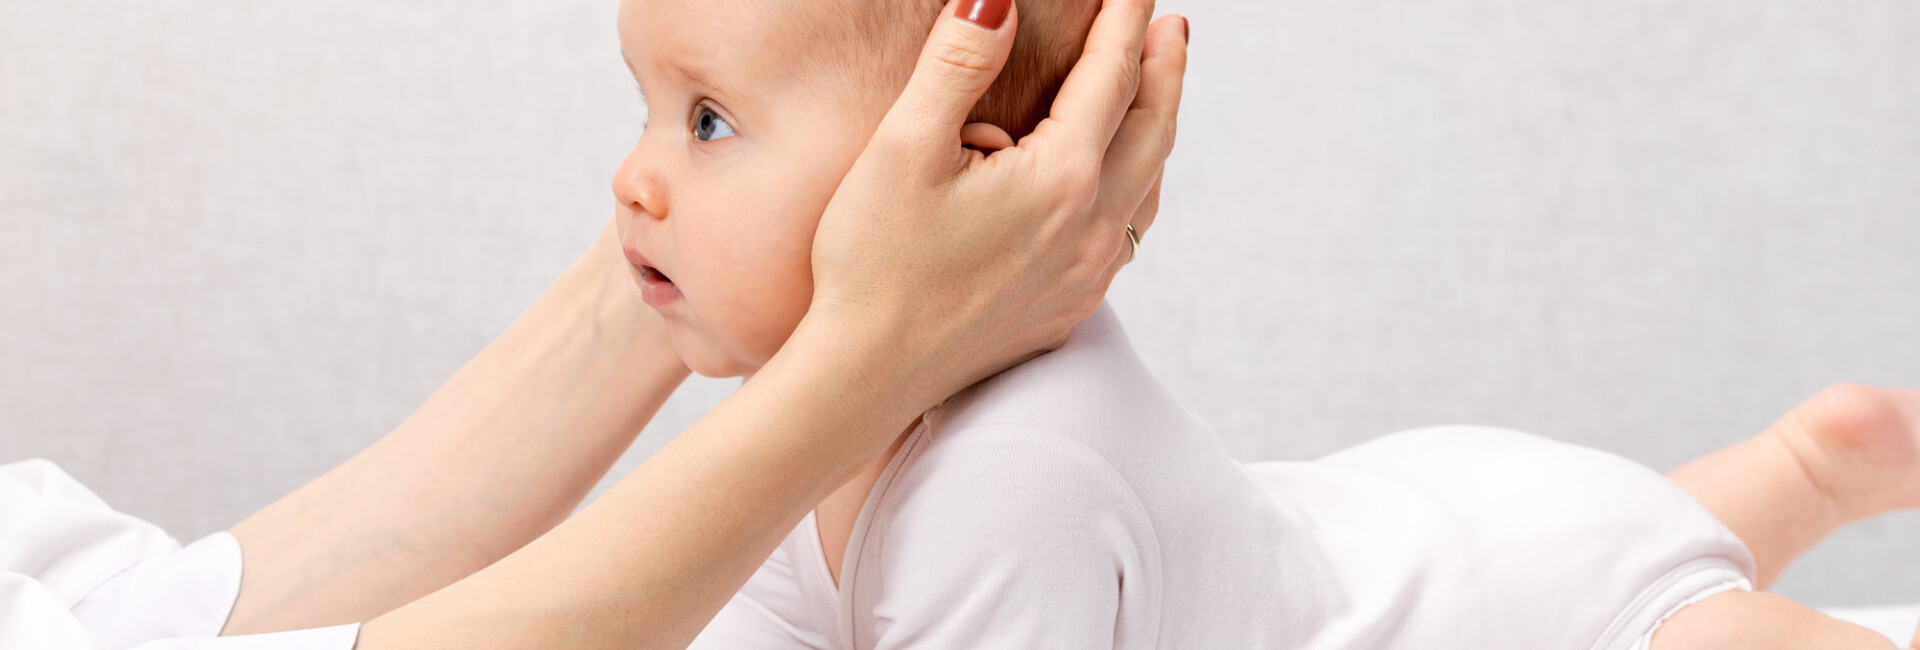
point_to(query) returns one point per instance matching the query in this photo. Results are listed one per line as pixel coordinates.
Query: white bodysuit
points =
(1070, 503)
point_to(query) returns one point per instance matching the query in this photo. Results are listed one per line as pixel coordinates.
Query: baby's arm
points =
(1849, 453)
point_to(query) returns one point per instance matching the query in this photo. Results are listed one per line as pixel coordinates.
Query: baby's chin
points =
(705, 357)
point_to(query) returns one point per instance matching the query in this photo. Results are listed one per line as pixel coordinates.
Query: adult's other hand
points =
(965, 263)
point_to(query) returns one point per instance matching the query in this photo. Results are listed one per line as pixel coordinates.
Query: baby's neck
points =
(836, 514)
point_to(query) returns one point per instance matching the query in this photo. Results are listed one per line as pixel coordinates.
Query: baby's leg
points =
(1762, 621)
(1849, 453)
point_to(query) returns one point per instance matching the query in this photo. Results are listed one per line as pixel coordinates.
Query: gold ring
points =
(1133, 244)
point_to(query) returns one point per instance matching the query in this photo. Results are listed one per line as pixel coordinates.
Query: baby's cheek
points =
(779, 293)
(759, 286)
(757, 249)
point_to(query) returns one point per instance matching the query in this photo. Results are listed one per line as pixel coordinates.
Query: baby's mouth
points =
(652, 274)
(656, 288)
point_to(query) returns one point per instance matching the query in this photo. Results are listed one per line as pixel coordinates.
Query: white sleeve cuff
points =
(174, 593)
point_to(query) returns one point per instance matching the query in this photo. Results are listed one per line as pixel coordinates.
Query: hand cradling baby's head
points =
(755, 110)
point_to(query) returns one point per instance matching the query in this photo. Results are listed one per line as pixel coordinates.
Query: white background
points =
(241, 240)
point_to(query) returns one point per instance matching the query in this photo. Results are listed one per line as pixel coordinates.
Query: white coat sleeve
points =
(75, 574)
(1013, 538)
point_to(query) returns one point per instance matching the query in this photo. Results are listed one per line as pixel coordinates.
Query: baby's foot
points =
(1860, 445)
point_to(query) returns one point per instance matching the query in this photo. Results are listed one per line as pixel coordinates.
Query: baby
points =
(1070, 502)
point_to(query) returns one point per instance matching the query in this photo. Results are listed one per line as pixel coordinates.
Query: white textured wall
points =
(241, 240)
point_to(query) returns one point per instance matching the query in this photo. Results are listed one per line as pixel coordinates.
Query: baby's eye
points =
(709, 126)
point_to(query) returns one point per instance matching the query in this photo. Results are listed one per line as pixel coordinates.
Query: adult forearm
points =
(650, 561)
(497, 456)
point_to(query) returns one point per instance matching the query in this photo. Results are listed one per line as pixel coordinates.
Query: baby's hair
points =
(1051, 36)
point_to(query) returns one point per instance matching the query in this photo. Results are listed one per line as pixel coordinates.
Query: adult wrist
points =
(872, 361)
(591, 329)
(616, 307)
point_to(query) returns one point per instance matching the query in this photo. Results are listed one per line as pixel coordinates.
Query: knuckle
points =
(1129, 68)
(966, 56)
(1078, 187)
(1098, 255)
(1168, 131)
(1158, 127)
(1123, 66)
(1131, 72)
(1174, 58)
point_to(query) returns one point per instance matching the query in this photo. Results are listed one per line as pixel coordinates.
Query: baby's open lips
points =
(646, 268)
(653, 274)
(656, 288)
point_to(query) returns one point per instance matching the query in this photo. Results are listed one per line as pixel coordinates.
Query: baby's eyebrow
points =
(695, 76)
(717, 86)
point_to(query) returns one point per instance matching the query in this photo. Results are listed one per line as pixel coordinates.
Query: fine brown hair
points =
(1051, 35)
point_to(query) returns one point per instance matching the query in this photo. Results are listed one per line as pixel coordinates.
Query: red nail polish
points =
(1186, 29)
(985, 13)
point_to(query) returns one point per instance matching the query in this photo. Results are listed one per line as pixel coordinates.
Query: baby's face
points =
(747, 137)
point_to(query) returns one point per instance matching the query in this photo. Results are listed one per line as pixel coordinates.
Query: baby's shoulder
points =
(991, 492)
(998, 498)
(1009, 468)
(1094, 390)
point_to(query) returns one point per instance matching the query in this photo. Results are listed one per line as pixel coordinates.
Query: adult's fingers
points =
(985, 137)
(1142, 219)
(1145, 138)
(963, 55)
(1149, 209)
(1101, 85)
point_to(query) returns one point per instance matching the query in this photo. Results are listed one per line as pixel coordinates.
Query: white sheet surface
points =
(1896, 622)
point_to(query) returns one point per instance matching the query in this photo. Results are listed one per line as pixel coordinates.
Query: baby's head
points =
(756, 109)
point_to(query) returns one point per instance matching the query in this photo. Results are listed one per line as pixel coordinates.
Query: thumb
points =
(963, 55)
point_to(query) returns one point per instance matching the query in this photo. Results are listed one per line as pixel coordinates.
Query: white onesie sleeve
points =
(1007, 539)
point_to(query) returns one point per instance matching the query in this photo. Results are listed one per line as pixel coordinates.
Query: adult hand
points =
(966, 263)
(934, 266)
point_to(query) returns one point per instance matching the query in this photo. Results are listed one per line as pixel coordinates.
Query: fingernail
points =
(985, 13)
(1186, 29)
